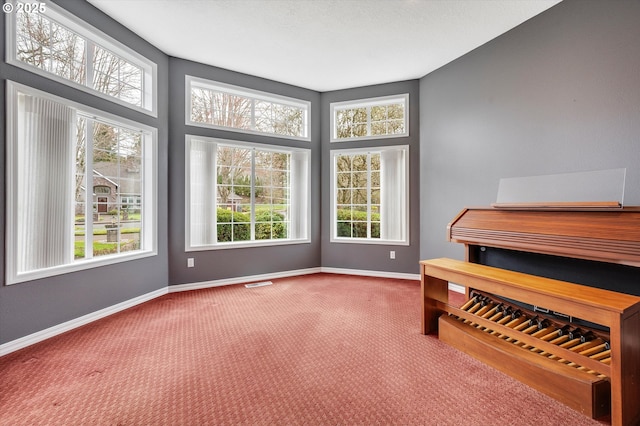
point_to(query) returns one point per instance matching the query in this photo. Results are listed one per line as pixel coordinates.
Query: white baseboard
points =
(263, 277)
(241, 280)
(366, 273)
(39, 336)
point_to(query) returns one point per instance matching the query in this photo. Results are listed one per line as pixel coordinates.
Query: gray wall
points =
(373, 257)
(33, 306)
(231, 263)
(560, 93)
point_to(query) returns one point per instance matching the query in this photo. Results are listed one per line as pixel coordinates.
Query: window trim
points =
(150, 202)
(252, 243)
(334, 107)
(333, 205)
(94, 36)
(248, 93)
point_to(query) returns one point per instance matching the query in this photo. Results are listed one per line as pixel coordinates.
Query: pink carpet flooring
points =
(314, 350)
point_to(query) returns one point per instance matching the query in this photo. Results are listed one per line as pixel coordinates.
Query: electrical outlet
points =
(392, 254)
(190, 262)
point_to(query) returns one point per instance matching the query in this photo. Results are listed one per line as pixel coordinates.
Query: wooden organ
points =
(579, 344)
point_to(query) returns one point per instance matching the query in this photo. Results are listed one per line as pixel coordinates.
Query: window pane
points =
(375, 196)
(359, 196)
(396, 127)
(359, 130)
(344, 229)
(360, 162)
(231, 111)
(116, 77)
(375, 179)
(344, 196)
(396, 111)
(375, 229)
(359, 179)
(67, 54)
(359, 230)
(379, 128)
(378, 113)
(201, 105)
(343, 180)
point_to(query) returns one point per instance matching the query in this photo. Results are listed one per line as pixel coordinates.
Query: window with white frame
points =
(369, 201)
(219, 105)
(381, 117)
(241, 194)
(56, 44)
(81, 187)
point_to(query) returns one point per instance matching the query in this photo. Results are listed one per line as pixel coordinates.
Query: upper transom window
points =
(374, 118)
(219, 105)
(58, 45)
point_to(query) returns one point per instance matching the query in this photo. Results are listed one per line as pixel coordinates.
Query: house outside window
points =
(241, 194)
(369, 201)
(70, 215)
(374, 118)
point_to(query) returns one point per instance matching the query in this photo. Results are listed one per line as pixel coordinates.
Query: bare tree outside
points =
(219, 108)
(116, 77)
(52, 47)
(376, 120)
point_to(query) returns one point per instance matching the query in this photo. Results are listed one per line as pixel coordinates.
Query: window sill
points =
(369, 241)
(79, 266)
(246, 244)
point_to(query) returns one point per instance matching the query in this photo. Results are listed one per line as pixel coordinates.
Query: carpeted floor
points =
(315, 350)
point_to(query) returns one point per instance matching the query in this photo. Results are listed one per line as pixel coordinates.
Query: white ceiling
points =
(322, 44)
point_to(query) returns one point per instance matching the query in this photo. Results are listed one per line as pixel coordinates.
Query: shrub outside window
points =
(223, 106)
(242, 194)
(370, 201)
(382, 117)
(59, 46)
(81, 189)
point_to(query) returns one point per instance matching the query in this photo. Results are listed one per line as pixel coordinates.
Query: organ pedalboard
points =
(579, 344)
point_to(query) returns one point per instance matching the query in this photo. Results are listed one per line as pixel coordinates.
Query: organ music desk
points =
(598, 374)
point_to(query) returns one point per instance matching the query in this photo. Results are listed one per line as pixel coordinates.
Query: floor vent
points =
(262, 284)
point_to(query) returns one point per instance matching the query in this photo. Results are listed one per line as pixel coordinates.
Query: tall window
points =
(243, 194)
(370, 195)
(80, 187)
(218, 105)
(56, 44)
(370, 118)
